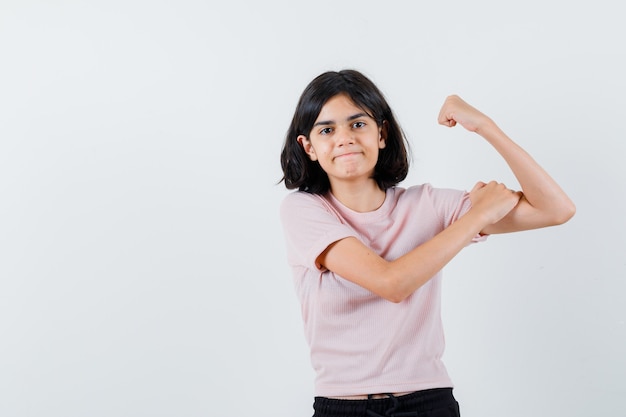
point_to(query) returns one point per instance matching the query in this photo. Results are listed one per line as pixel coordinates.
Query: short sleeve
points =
(452, 205)
(310, 225)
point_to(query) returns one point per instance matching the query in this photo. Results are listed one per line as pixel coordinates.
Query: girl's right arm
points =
(395, 280)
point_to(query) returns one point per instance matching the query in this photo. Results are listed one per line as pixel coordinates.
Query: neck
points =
(362, 198)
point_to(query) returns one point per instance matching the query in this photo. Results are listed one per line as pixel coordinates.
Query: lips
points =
(347, 154)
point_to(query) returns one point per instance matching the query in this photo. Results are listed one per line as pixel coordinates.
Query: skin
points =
(345, 141)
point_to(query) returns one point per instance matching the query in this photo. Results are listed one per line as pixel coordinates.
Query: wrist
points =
(474, 221)
(488, 128)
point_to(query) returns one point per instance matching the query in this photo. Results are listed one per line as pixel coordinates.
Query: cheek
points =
(320, 149)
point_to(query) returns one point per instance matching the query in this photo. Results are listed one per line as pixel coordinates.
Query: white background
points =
(142, 264)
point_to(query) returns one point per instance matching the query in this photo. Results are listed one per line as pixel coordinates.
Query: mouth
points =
(346, 155)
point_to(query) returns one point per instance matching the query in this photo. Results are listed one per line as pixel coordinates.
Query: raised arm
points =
(543, 203)
(495, 209)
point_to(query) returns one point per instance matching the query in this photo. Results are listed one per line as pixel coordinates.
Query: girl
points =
(366, 254)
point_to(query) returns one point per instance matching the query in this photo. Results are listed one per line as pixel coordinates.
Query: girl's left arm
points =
(543, 203)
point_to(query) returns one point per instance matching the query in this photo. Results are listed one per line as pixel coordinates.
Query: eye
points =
(326, 131)
(357, 125)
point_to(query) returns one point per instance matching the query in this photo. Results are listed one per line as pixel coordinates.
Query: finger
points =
(478, 186)
(446, 120)
(495, 185)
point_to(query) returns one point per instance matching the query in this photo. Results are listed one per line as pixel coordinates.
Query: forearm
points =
(406, 274)
(395, 280)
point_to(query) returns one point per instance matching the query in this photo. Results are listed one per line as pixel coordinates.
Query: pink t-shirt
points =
(361, 343)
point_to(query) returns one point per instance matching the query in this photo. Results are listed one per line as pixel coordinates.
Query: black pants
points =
(437, 402)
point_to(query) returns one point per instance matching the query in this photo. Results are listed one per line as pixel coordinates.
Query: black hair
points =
(306, 175)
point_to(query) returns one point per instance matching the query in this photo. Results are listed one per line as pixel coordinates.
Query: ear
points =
(308, 148)
(382, 135)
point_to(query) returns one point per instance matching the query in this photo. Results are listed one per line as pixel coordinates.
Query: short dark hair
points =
(306, 175)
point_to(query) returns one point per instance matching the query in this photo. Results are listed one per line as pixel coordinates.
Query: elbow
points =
(565, 213)
(395, 292)
(396, 297)
(396, 285)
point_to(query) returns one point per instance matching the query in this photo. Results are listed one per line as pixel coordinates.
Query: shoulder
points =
(420, 192)
(301, 199)
(427, 190)
(300, 204)
(299, 196)
(443, 201)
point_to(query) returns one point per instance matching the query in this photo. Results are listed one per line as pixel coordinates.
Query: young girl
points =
(366, 254)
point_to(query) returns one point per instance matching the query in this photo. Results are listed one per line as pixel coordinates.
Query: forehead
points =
(340, 107)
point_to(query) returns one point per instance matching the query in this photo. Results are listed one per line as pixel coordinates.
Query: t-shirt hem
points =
(342, 391)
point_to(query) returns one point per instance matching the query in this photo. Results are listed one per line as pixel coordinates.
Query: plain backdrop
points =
(142, 262)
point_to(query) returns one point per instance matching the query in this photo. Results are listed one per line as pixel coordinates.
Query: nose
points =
(344, 136)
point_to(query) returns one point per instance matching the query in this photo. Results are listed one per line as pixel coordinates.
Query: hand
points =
(455, 110)
(493, 200)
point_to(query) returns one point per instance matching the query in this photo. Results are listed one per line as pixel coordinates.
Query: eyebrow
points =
(349, 119)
